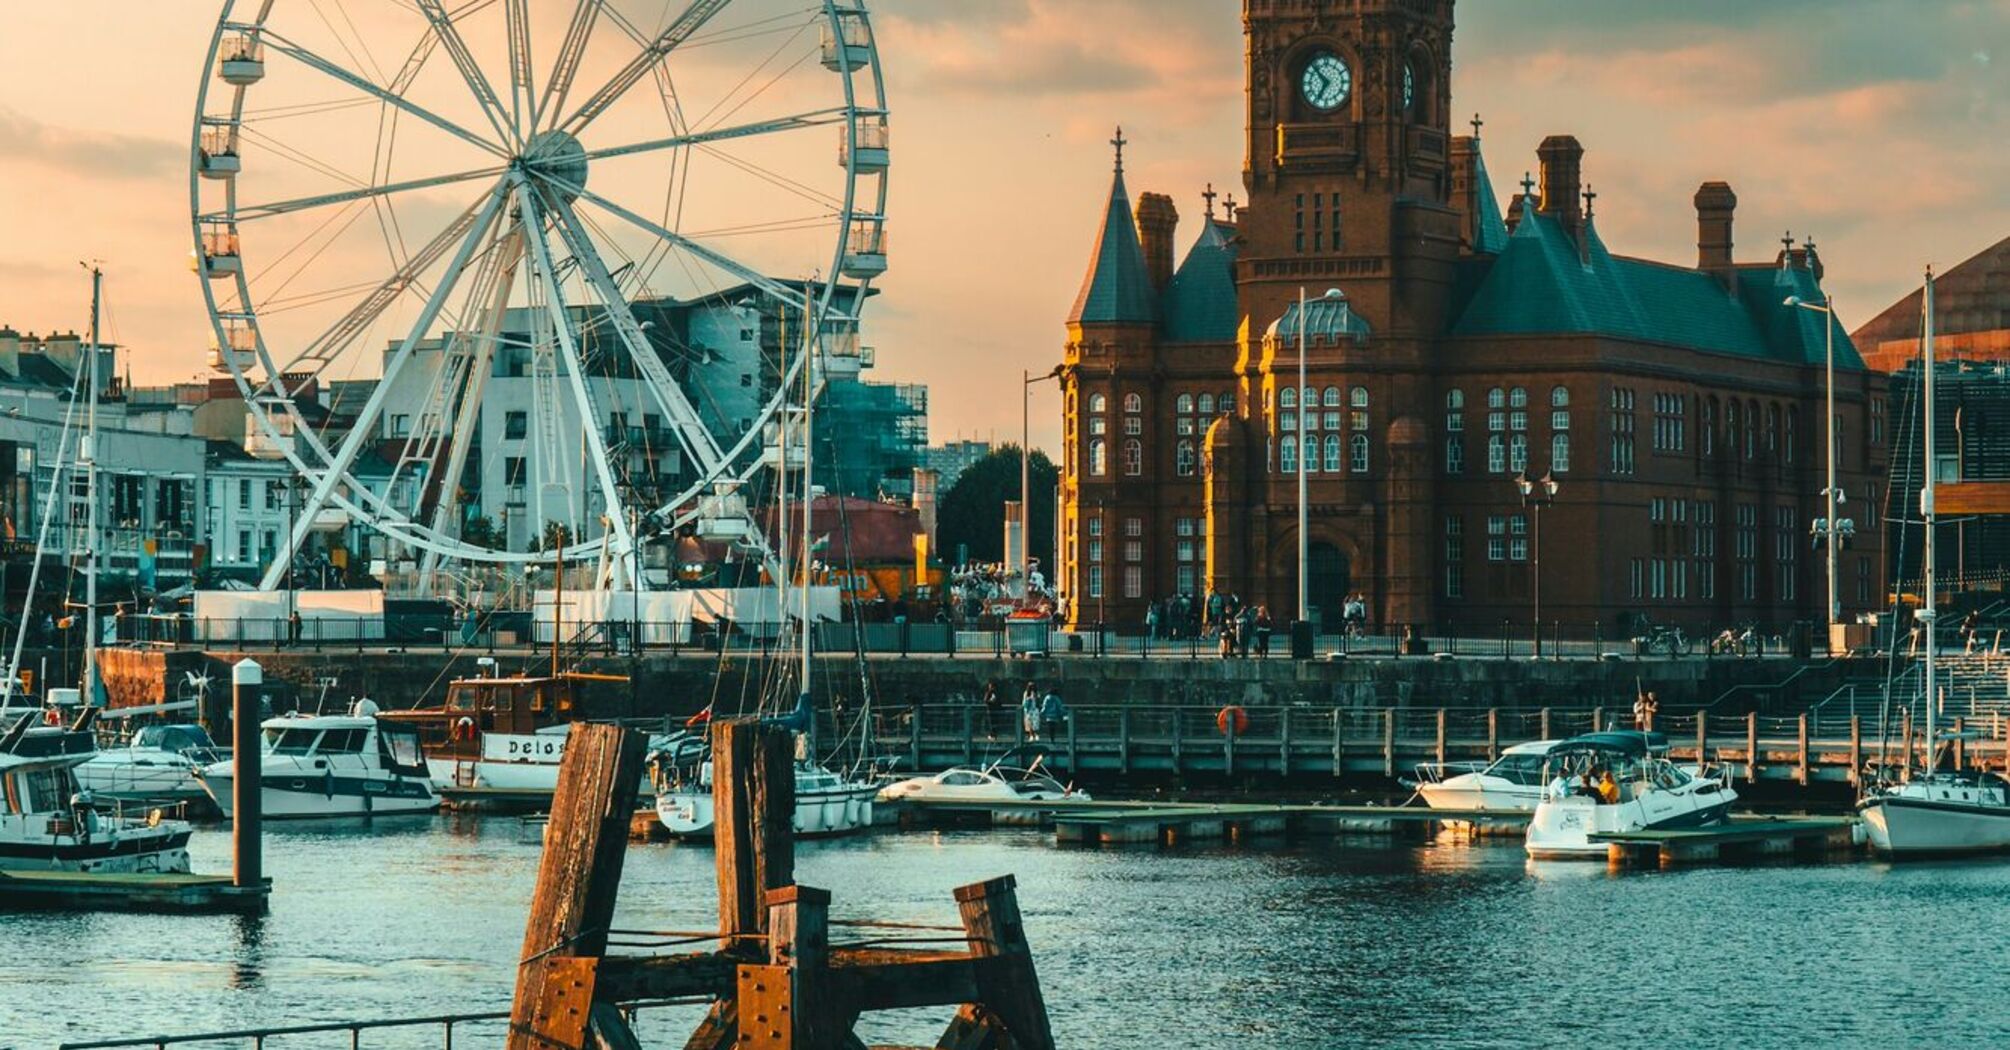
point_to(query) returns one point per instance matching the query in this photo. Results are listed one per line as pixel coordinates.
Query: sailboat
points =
(828, 802)
(1939, 811)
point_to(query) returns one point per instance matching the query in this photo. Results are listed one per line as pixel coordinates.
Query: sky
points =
(1877, 126)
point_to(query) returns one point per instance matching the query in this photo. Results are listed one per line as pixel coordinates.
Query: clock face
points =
(1327, 82)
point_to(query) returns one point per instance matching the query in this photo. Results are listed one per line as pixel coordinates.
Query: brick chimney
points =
(1561, 182)
(1157, 219)
(1715, 205)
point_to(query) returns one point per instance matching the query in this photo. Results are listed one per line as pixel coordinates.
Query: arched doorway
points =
(1327, 582)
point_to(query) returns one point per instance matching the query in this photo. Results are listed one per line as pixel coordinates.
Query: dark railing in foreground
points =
(1505, 639)
(489, 1023)
(1392, 741)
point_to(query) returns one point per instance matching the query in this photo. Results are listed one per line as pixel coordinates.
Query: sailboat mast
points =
(90, 462)
(1927, 612)
(810, 362)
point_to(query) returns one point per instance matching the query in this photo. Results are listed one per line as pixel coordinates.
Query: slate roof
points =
(1117, 289)
(1326, 320)
(1490, 232)
(1200, 304)
(1539, 285)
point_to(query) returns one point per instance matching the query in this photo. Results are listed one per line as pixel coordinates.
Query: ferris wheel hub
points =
(557, 155)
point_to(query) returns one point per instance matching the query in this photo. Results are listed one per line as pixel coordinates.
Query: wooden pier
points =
(181, 893)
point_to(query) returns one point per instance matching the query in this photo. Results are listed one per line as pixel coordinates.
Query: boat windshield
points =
(342, 741)
(179, 739)
(962, 778)
(290, 740)
(1518, 769)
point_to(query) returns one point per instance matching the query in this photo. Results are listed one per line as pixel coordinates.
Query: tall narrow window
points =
(1099, 457)
(1333, 454)
(1134, 458)
(1559, 452)
(1287, 455)
(1359, 453)
(1183, 459)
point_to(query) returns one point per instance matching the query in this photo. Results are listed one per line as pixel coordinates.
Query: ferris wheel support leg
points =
(532, 217)
(366, 420)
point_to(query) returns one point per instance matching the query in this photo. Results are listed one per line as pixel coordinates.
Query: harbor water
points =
(1320, 944)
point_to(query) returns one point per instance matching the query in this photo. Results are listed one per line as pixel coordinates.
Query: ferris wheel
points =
(496, 276)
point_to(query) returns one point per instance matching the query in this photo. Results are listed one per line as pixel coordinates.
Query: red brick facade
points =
(1679, 408)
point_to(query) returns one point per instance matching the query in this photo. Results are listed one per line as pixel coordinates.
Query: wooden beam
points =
(1972, 497)
(578, 877)
(609, 1030)
(1009, 989)
(627, 978)
(753, 805)
(799, 946)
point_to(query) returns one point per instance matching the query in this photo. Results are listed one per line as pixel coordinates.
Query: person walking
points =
(1053, 715)
(993, 704)
(1263, 627)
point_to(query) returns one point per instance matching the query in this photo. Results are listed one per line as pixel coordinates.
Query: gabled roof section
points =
(1972, 297)
(1541, 285)
(1490, 232)
(1200, 305)
(1117, 289)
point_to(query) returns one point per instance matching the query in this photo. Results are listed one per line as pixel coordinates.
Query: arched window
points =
(1496, 398)
(1496, 454)
(1183, 459)
(1332, 397)
(1455, 400)
(1226, 405)
(1358, 397)
(1134, 458)
(1773, 429)
(1207, 404)
(1287, 455)
(1099, 457)
(1333, 454)
(1708, 431)
(1183, 405)
(1787, 439)
(1559, 397)
(1518, 397)
(1098, 403)
(1751, 429)
(1133, 403)
(1311, 396)
(1559, 453)
(1518, 453)
(1287, 397)
(1359, 453)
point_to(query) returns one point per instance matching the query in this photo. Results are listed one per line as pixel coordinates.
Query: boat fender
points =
(1232, 715)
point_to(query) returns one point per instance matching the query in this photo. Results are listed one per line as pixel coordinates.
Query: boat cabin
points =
(478, 706)
(396, 747)
(36, 769)
(1637, 761)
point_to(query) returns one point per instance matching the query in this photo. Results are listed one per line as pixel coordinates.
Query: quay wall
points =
(679, 684)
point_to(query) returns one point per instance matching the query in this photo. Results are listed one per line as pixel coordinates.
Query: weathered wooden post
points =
(1960, 744)
(1801, 771)
(586, 841)
(1284, 741)
(1009, 989)
(1751, 747)
(1124, 740)
(1339, 747)
(1388, 741)
(753, 809)
(1905, 734)
(247, 788)
(1441, 737)
(1855, 749)
(1493, 733)
(1702, 737)
(1543, 719)
(787, 1003)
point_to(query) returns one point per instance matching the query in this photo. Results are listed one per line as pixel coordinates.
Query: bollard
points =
(246, 682)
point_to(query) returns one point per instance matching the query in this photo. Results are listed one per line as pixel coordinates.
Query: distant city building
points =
(1678, 406)
(869, 438)
(951, 458)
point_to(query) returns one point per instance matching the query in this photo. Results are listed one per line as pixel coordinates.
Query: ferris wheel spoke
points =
(689, 427)
(679, 30)
(449, 503)
(571, 51)
(366, 420)
(543, 272)
(710, 255)
(812, 119)
(471, 71)
(247, 212)
(281, 45)
(522, 95)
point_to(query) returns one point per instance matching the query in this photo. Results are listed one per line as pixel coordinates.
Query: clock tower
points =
(1347, 161)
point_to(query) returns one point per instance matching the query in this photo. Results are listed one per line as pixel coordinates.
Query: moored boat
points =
(159, 764)
(333, 766)
(1511, 783)
(1003, 780)
(49, 823)
(1618, 781)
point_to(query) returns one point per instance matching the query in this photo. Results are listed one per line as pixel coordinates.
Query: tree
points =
(972, 512)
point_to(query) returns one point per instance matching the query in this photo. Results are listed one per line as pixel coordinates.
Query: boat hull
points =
(1907, 827)
(127, 851)
(113, 776)
(1561, 829)
(1460, 792)
(287, 796)
(834, 811)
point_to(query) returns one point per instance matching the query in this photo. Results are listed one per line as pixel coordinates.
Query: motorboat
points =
(1513, 782)
(1001, 781)
(1647, 792)
(1939, 814)
(333, 766)
(49, 823)
(827, 802)
(159, 764)
(1936, 812)
(504, 734)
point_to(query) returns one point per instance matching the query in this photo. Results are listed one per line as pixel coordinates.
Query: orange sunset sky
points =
(1879, 126)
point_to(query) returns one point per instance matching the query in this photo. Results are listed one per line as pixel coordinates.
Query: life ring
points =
(53, 716)
(1232, 716)
(464, 729)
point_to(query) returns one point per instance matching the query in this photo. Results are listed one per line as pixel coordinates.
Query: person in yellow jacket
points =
(1608, 789)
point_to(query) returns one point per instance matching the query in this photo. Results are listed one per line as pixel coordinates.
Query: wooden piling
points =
(1009, 989)
(1493, 733)
(578, 877)
(1339, 747)
(1388, 741)
(1801, 769)
(1284, 742)
(1543, 718)
(1960, 745)
(753, 806)
(1124, 741)
(1440, 752)
(1855, 750)
(1751, 747)
(1702, 738)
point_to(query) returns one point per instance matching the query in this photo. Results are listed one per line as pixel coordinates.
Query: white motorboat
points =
(1513, 782)
(1000, 781)
(1646, 792)
(333, 766)
(159, 764)
(1937, 812)
(48, 823)
(827, 802)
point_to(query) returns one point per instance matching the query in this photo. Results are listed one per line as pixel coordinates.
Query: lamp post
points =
(1333, 295)
(1026, 381)
(1535, 495)
(1828, 526)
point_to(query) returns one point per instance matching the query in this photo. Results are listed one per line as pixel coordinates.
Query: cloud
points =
(24, 140)
(1048, 49)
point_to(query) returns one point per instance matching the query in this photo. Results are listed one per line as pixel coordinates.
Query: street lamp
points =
(1026, 380)
(1828, 527)
(1333, 295)
(1535, 495)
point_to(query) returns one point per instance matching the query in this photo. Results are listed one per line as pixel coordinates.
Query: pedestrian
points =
(1245, 629)
(1653, 709)
(993, 703)
(1152, 622)
(293, 627)
(1227, 633)
(1263, 627)
(1029, 712)
(1053, 713)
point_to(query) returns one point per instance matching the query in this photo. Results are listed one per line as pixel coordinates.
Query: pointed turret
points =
(1118, 288)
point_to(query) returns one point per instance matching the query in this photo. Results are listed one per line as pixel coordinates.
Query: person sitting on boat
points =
(1608, 788)
(1587, 783)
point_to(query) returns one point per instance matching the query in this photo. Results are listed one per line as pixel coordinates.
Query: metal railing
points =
(489, 1025)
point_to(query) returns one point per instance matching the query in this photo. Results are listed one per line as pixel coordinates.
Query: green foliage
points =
(480, 532)
(973, 510)
(555, 535)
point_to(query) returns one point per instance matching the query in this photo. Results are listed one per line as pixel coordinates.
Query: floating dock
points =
(1742, 839)
(181, 893)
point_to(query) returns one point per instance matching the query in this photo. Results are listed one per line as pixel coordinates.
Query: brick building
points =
(1678, 406)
